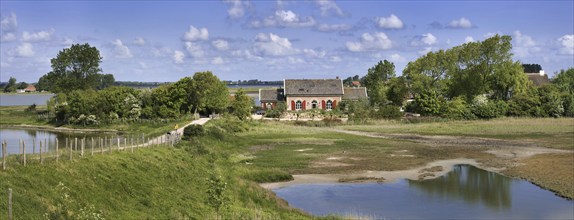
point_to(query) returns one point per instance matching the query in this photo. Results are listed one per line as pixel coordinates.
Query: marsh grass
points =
(547, 132)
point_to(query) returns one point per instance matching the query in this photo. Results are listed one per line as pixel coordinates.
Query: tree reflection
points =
(471, 184)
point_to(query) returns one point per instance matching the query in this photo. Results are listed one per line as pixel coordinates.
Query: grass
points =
(12, 115)
(547, 132)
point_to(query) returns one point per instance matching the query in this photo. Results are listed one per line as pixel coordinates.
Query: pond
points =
(24, 99)
(32, 137)
(465, 192)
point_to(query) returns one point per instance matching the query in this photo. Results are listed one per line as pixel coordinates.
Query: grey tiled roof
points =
(310, 87)
(355, 93)
(271, 95)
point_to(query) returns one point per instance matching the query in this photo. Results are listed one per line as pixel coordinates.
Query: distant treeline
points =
(253, 82)
(139, 84)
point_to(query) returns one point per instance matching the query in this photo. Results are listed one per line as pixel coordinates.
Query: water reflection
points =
(470, 184)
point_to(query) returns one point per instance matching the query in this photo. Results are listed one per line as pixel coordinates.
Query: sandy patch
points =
(304, 149)
(428, 171)
(333, 158)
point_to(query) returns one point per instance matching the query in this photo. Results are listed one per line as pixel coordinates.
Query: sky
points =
(164, 41)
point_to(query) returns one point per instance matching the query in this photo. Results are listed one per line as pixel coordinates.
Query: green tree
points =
(241, 105)
(430, 72)
(22, 85)
(376, 81)
(77, 67)
(106, 80)
(208, 93)
(11, 86)
(397, 91)
(564, 82)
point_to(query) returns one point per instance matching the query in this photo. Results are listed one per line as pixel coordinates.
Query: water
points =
(24, 99)
(12, 136)
(465, 192)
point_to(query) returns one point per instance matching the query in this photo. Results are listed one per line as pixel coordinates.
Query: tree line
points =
(473, 80)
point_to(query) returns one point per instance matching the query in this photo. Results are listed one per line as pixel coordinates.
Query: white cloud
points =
(194, 34)
(6, 37)
(194, 49)
(425, 51)
(217, 61)
(295, 60)
(335, 59)
(9, 23)
(424, 39)
(178, 57)
(333, 27)
(160, 51)
(38, 36)
(368, 42)
(468, 39)
(460, 23)
(314, 53)
(284, 18)
(220, 44)
(67, 42)
(22, 50)
(121, 50)
(567, 43)
(396, 58)
(271, 44)
(329, 7)
(391, 22)
(237, 9)
(246, 54)
(522, 40)
(140, 41)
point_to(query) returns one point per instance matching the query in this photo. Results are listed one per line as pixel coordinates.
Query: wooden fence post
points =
(92, 146)
(111, 143)
(71, 150)
(76, 146)
(4, 155)
(20, 148)
(41, 158)
(24, 151)
(101, 146)
(57, 152)
(9, 203)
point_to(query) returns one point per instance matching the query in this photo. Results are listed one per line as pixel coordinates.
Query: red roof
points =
(30, 88)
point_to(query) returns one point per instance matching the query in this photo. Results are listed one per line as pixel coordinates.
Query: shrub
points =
(387, 112)
(457, 109)
(487, 109)
(523, 105)
(193, 131)
(31, 108)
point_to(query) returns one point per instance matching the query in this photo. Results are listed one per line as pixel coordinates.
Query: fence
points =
(72, 148)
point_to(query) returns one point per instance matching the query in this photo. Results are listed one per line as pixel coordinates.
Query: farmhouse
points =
(304, 94)
(538, 79)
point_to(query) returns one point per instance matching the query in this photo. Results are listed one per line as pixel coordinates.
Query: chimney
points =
(337, 77)
(542, 73)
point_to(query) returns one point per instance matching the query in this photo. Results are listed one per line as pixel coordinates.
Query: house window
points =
(314, 104)
(268, 106)
(298, 105)
(329, 105)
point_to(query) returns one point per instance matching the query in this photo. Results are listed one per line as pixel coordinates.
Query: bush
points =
(31, 108)
(192, 131)
(457, 109)
(387, 112)
(488, 109)
(523, 105)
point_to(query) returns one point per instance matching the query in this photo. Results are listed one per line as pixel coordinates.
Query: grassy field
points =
(547, 132)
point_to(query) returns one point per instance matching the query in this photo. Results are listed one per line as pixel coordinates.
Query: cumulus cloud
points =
(238, 8)
(194, 34)
(194, 49)
(523, 45)
(247, 54)
(22, 50)
(425, 51)
(217, 61)
(220, 44)
(9, 23)
(140, 41)
(328, 7)
(37, 36)
(8, 37)
(271, 44)
(396, 58)
(460, 23)
(424, 40)
(333, 27)
(468, 39)
(368, 42)
(314, 53)
(178, 57)
(283, 18)
(121, 50)
(391, 22)
(567, 43)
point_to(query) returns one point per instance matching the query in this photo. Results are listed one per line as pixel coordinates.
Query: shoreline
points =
(59, 129)
(429, 171)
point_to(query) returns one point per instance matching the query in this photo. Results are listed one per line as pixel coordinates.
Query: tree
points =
(531, 68)
(208, 93)
(376, 81)
(77, 67)
(106, 80)
(241, 106)
(11, 86)
(564, 81)
(22, 85)
(397, 91)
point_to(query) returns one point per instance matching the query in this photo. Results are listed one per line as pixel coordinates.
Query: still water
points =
(466, 192)
(32, 137)
(24, 99)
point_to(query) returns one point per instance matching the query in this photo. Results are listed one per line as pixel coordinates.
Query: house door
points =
(314, 104)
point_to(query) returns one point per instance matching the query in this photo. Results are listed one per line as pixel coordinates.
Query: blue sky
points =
(272, 40)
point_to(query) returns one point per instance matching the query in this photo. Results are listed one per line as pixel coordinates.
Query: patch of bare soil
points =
(261, 147)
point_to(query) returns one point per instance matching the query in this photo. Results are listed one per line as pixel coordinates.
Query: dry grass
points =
(550, 171)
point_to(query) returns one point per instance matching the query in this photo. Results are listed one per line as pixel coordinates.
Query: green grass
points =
(157, 183)
(547, 132)
(12, 115)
